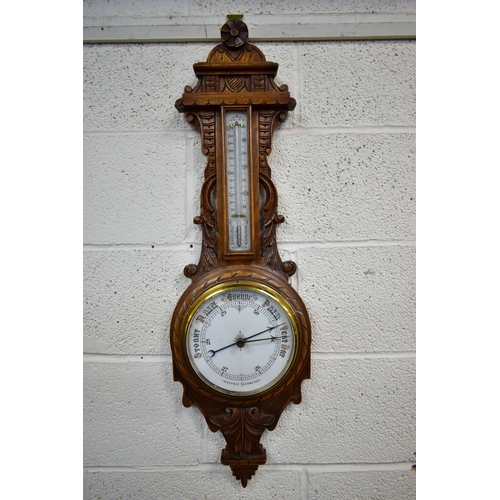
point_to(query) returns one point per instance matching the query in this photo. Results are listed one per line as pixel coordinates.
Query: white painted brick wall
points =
(386, 484)
(344, 166)
(158, 8)
(362, 83)
(133, 419)
(369, 293)
(189, 483)
(360, 185)
(129, 298)
(131, 167)
(132, 87)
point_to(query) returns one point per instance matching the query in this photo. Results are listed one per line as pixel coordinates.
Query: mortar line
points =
(365, 129)
(84, 483)
(297, 245)
(298, 82)
(343, 467)
(298, 467)
(304, 484)
(291, 246)
(364, 355)
(167, 358)
(158, 131)
(126, 358)
(298, 129)
(92, 247)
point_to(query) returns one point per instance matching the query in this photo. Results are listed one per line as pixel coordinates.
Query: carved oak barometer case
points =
(240, 334)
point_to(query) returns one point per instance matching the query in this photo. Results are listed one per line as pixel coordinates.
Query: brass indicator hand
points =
(241, 342)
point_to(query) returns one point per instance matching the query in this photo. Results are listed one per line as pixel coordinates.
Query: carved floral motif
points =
(242, 429)
(234, 33)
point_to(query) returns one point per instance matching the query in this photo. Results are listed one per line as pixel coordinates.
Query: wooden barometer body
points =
(240, 334)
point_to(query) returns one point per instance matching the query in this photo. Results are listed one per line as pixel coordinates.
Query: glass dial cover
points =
(241, 339)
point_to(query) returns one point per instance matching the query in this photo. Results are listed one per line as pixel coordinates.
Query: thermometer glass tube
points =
(238, 186)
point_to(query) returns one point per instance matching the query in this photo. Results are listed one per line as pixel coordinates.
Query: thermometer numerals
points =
(238, 195)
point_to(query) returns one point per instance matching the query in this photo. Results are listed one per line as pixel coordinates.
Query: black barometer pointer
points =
(241, 342)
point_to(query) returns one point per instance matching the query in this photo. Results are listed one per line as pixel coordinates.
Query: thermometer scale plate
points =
(238, 181)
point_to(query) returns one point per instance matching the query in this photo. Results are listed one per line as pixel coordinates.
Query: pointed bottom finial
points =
(244, 473)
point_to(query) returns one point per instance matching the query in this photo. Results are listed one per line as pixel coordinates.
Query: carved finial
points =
(234, 33)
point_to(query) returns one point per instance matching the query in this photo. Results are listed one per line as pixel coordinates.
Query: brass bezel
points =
(257, 287)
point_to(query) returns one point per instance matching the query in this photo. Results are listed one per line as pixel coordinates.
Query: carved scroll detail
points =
(208, 255)
(242, 429)
(270, 216)
(207, 218)
(206, 124)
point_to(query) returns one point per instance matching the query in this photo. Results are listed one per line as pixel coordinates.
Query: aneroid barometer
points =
(240, 334)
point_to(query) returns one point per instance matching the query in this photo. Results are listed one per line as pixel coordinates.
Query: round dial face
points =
(241, 339)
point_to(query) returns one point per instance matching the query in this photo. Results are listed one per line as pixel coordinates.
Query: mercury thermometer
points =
(238, 180)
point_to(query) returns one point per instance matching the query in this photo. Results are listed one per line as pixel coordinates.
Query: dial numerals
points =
(242, 341)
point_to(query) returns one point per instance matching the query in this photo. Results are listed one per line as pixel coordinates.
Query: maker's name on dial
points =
(241, 383)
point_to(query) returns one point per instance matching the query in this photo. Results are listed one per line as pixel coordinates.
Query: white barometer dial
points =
(238, 184)
(241, 339)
